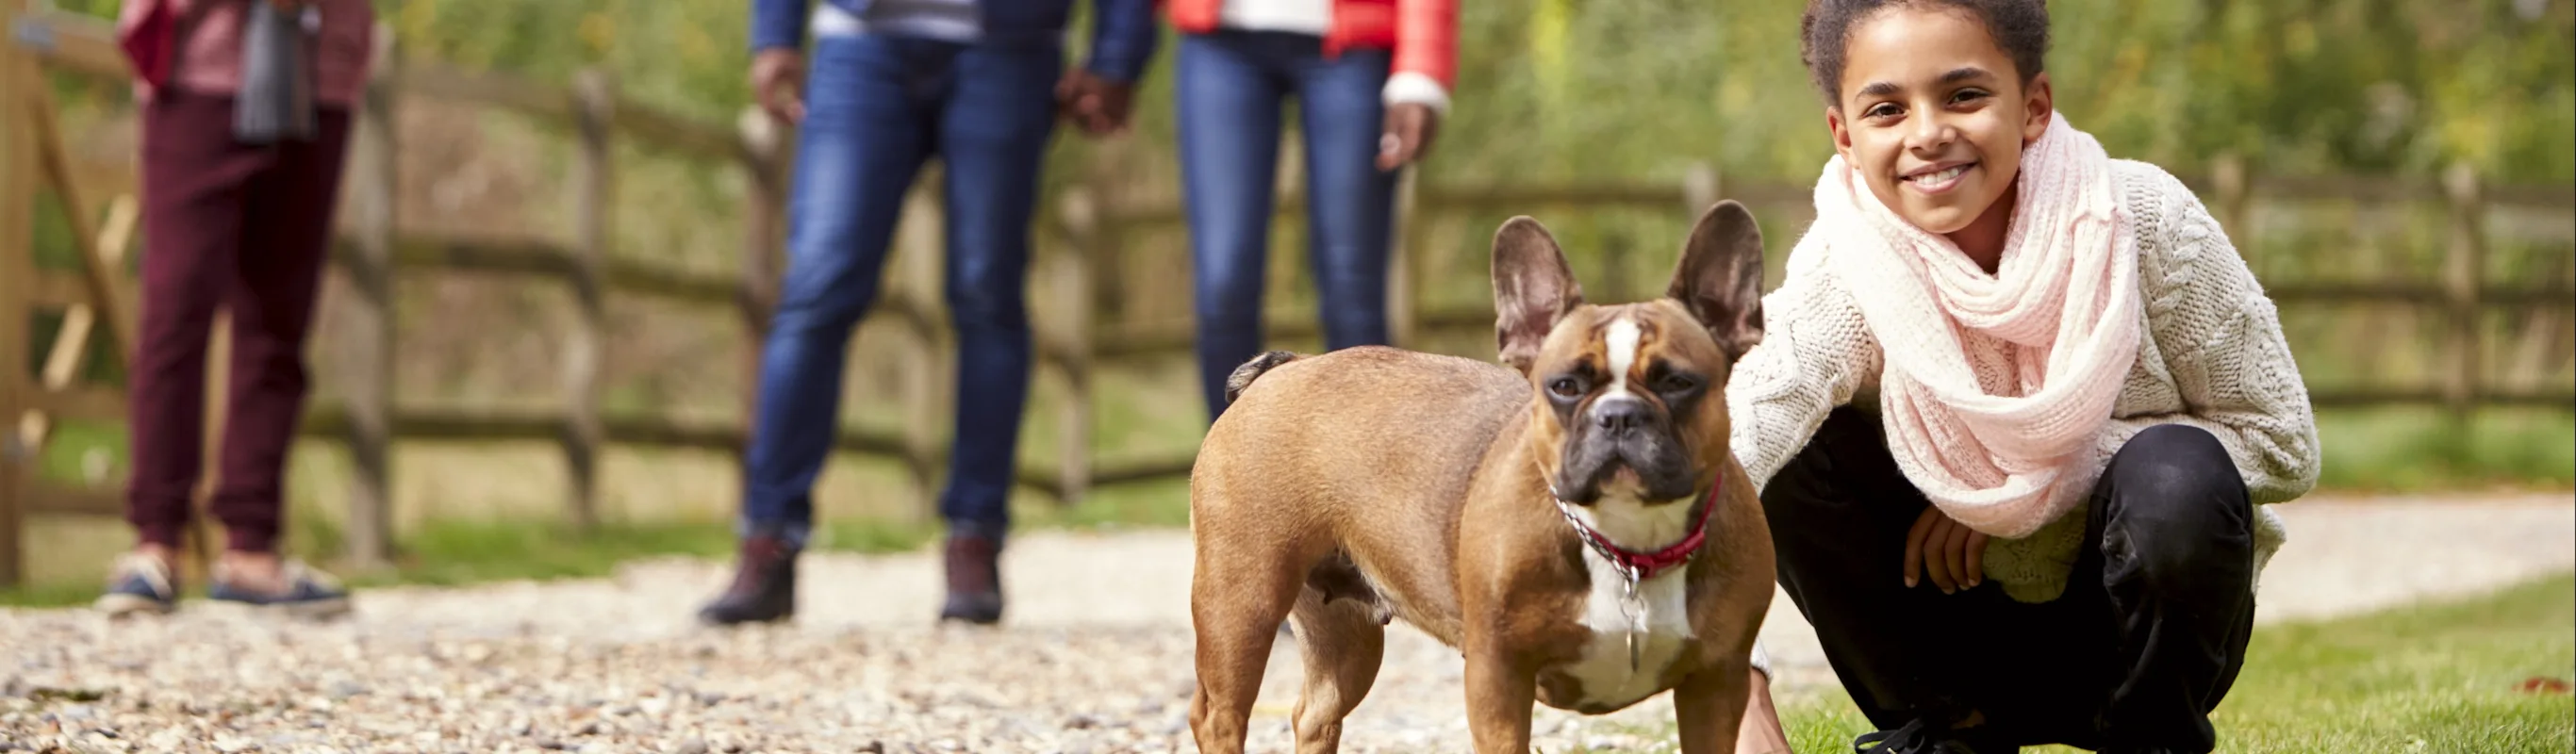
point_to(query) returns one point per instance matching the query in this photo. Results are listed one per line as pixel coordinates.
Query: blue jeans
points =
(877, 109)
(1228, 93)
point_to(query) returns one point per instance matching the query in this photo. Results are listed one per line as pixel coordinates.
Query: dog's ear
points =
(1720, 276)
(1532, 289)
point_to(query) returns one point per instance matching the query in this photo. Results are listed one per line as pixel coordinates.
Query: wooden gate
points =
(95, 301)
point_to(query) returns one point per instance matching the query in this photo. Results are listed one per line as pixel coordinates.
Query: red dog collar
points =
(1640, 566)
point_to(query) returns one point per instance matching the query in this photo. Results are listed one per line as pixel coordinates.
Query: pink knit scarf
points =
(1996, 386)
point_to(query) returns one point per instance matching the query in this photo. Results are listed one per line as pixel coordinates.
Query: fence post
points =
(1700, 192)
(2227, 174)
(2464, 266)
(1082, 219)
(17, 268)
(1700, 186)
(1699, 189)
(585, 347)
(368, 341)
(1618, 279)
(1107, 246)
(763, 216)
(1404, 285)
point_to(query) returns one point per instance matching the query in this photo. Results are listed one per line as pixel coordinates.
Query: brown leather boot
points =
(764, 584)
(974, 580)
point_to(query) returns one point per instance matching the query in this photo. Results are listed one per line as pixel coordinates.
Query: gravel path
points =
(1095, 657)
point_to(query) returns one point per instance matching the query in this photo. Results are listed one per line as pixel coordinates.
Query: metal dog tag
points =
(1635, 608)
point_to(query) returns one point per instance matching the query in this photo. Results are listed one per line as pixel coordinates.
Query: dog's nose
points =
(1619, 414)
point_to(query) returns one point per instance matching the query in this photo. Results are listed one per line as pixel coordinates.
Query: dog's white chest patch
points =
(1660, 633)
(1604, 671)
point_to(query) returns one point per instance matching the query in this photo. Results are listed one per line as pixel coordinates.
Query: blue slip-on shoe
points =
(139, 583)
(309, 593)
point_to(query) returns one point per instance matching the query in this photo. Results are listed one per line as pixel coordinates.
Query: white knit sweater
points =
(2212, 356)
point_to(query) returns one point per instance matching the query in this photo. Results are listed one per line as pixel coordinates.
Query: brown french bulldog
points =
(1574, 523)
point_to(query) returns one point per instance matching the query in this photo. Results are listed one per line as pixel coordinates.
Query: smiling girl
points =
(2016, 409)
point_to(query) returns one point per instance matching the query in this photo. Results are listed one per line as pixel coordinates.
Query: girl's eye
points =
(1967, 95)
(1880, 111)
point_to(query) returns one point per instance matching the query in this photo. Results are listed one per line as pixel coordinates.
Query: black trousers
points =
(2146, 639)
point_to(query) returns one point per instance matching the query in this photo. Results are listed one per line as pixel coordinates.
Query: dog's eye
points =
(1676, 382)
(1566, 387)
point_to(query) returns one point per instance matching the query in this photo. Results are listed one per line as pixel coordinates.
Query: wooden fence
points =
(1087, 226)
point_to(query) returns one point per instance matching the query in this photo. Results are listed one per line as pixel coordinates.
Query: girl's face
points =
(1933, 116)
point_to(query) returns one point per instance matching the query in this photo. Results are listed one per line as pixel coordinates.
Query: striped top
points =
(1299, 16)
(950, 20)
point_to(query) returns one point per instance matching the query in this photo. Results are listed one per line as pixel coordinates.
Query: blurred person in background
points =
(245, 114)
(245, 121)
(979, 84)
(1371, 79)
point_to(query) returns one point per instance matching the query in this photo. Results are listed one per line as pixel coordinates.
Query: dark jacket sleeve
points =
(1123, 38)
(778, 23)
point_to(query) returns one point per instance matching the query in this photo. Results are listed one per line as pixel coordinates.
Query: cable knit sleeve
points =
(1815, 354)
(2222, 342)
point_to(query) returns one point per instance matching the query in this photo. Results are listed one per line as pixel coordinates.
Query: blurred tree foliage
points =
(1555, 90)
(1610, 88)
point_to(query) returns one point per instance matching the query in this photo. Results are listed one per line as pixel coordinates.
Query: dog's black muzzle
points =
(1623, 433)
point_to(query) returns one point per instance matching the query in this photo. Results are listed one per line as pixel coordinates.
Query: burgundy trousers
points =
(240, 228)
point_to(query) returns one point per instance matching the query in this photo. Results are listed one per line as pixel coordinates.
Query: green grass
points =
(447, 552)
(48, 595)
(2419, 450)
(73, 443)
(453, 552)
(2434, 678)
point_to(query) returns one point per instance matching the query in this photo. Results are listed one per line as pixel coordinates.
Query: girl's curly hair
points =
(2020, 27)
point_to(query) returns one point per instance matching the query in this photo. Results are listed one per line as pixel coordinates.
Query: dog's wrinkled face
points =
(1631, 389)
(1630, 402)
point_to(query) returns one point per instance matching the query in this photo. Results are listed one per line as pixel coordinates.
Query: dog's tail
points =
(1253, 370)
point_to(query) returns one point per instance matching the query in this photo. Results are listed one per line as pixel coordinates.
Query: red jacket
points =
(1423, 33)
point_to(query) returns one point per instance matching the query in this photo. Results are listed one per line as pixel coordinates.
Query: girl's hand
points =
(1952, 553)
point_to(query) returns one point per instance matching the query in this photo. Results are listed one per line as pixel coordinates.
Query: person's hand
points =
(1410, 127)
(777, 81)
(1948, 551)
(1100, 106)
